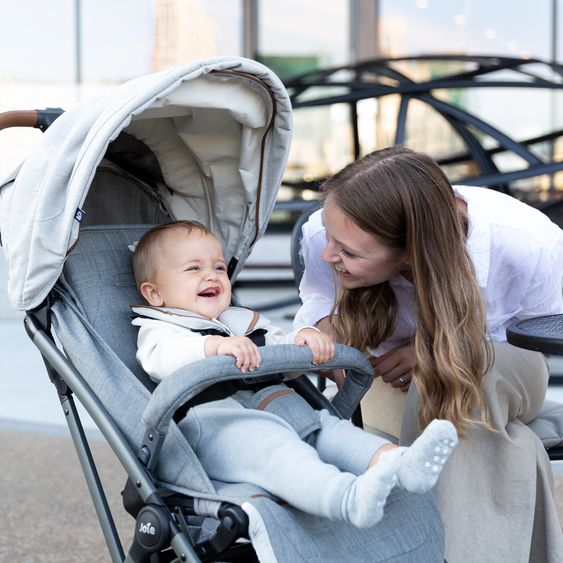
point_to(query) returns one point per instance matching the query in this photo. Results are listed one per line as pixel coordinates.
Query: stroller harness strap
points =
(257, 336)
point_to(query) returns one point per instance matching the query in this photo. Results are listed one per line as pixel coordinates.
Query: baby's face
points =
(192, 274)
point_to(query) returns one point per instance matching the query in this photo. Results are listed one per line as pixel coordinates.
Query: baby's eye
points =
(192, 268)
(344, 252)
(221, 268)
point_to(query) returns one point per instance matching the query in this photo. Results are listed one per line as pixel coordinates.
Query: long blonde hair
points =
(405, 200)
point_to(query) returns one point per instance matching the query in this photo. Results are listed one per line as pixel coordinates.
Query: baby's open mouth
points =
(210, 292)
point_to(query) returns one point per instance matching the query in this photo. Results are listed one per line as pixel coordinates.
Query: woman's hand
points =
(336, 375)
(321, 344)
(395, 367)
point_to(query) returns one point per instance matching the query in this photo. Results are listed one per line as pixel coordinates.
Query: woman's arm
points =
(317, 289)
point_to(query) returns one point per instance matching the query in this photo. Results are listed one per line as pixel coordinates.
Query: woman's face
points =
(358, 257)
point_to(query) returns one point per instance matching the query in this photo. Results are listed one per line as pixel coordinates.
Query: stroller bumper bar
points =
(187, 382)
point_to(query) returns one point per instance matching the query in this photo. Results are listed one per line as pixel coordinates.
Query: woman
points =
(426, 278)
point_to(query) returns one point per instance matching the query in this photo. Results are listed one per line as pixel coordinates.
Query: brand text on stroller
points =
(147, 528)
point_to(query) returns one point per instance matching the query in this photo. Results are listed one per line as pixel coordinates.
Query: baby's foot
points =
(364, 502)
(422, 463)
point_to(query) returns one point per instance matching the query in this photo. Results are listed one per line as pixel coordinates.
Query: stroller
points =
(207, 142)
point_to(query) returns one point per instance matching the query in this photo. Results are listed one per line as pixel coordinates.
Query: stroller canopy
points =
(205, 142)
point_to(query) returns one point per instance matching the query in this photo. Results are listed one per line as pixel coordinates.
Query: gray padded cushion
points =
(99, 273)
(116, 198)
(548, 425)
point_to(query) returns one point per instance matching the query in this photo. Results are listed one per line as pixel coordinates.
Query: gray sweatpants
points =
(236, 444)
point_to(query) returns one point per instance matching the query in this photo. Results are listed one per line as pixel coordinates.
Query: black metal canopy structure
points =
(445, 75)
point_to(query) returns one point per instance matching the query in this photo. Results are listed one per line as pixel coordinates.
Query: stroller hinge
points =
(42, 316)
(152, 533)
(150, 449)
(36, 322)
(233, 524)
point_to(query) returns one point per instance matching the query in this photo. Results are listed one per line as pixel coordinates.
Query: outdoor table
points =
(541, 334)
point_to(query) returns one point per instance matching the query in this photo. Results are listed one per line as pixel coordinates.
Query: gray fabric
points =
(236, 444)
(99, 275)
(116, 197)
(124, 397)
(548, 424)
(410, 532)
(235, 199)
(495, 494)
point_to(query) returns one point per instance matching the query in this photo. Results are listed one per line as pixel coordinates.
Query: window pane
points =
(517, 28)
(322, 142)
(296, 36)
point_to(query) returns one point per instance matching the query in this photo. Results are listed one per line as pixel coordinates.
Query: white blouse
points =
(517, 253)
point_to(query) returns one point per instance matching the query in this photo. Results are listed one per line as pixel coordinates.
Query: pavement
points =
(48, 513)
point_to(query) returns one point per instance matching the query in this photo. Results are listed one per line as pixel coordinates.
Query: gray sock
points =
(363, 502)
(422, 463)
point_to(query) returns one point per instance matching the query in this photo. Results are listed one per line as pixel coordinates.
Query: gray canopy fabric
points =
(220, 130)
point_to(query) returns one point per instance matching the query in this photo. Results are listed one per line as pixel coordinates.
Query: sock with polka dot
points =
(364, 501)
(420, 464)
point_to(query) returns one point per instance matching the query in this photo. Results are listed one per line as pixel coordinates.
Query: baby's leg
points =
(420, 465)
(340, 443)
(260, 448)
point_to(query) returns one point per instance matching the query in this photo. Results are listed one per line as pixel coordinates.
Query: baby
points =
(270, 436)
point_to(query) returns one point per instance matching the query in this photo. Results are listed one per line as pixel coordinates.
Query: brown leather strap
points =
(274, 396)
(253, 322)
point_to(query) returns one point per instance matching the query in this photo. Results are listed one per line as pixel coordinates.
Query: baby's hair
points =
(145, 257)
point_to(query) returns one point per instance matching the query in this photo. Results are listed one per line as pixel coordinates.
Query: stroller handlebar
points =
(37, 118)
(187, 382)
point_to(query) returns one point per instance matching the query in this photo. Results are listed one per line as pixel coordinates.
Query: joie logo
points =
(147, 528)
(79, 214)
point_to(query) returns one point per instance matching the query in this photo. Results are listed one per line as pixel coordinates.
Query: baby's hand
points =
(321, 344)
(243, 349)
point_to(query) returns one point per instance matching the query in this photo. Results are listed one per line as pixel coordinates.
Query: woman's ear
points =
(150, 292)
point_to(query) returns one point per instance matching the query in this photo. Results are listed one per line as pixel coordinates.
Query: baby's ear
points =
(150, 292)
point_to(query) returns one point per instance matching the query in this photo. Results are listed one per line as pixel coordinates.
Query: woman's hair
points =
(405, 200)
(145, 257)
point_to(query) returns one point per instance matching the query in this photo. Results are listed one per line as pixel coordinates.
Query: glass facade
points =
(71, 49)
(517, 28)
(296, 36)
